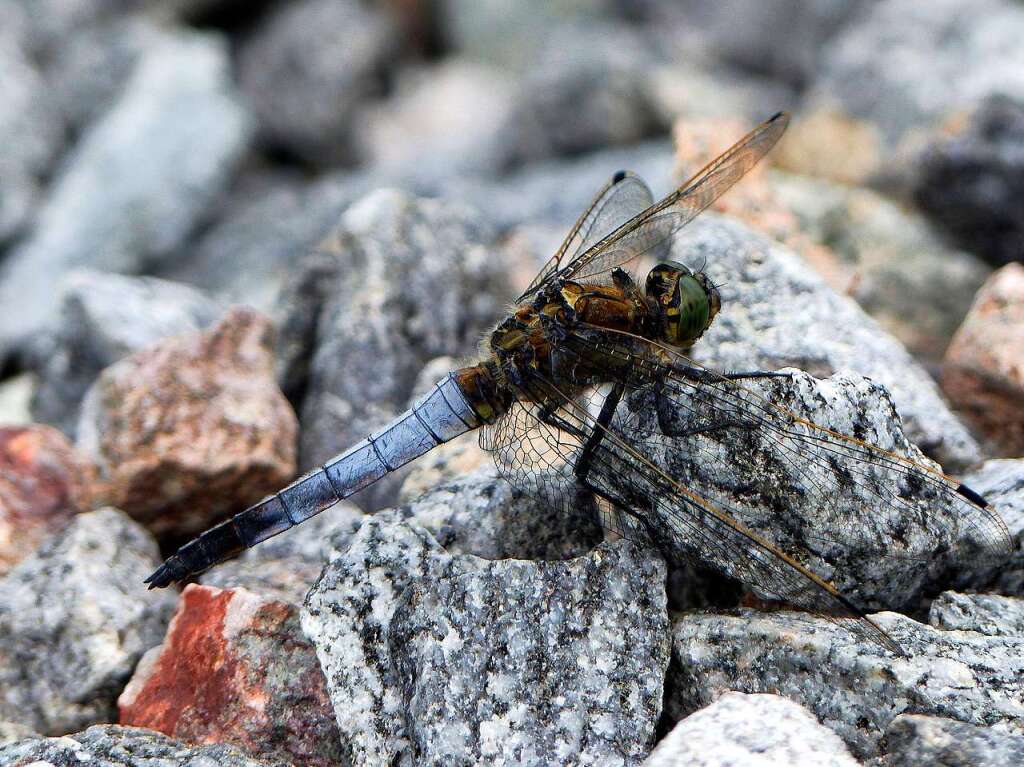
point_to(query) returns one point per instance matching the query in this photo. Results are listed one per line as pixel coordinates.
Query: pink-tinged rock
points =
(983, 372)
(192, 428)
(236, 668)
(43, 483)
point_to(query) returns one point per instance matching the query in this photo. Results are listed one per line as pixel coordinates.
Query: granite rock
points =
(971, 184)
(43, 484)
(854, 689)
(102, 318)
(113, 746)
(137, 182)
(989, 614)
(913, 740)
(191, 428)
(235, 668)
(75, 618)
(12, 731)
(751, 730)
(307, 68)
(777, 313)
(423, 652)
(983, 371)
(905, 66)
(416, 280)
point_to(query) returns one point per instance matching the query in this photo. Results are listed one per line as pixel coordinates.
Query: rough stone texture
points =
(136, 183)
(882, 538)
(855, 689)
(104, 317)
(287, 565)
(983, 372)
(306, 69)
(114, 746)
(423, 652)
(43, 484)
(481, 514)
(191, 428)
(971, 183)
(906, 66)
(913, 740)
(31, 131)
(754, 731)
(260, 238)
(988, 614)
(1001, 482)
(777, 313)
(415, 280)
(235, 668)
(75, 618)
(887, 259)
(12, 731)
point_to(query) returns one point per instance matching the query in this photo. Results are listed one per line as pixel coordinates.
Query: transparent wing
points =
(623, 197)
(685, 526)
(653, 228)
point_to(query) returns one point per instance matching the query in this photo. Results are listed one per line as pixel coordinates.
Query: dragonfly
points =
(587, 380)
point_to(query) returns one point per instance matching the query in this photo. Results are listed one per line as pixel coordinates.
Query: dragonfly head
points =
(685, 302)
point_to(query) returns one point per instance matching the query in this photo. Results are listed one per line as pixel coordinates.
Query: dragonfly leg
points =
(604, 418)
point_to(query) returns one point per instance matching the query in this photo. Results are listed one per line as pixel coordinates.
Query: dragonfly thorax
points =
(683, 302)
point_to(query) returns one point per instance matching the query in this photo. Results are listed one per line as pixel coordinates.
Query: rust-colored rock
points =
(191, 428)
(43, 483)
(236, 668)
(983, 372)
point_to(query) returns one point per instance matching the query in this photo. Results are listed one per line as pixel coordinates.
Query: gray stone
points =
(988, 614)
(287, 565)
(913, 740)
(259, 239)
(113, 746)
(881, 537)
(481, 514)
(906, 66)
(1001, 482)
(415, 280)
(776, 312)
(137, 182)
(889, 259)
(972, 184)
(103, 318)
(308, 67)
(12, 731)
(855, 689)
(75, 617)
(31, 130)
(754, 731)
(431, 658)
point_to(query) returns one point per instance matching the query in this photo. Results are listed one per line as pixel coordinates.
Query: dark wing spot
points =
(972, 496)
(619, 175)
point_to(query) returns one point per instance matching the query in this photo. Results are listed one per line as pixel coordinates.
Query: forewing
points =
(653, 228)
(623, 197)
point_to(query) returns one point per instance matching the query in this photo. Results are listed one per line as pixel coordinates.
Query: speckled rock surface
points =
(235, 668)
(193, 427)
(12, 731)
(75, 618)
(855, 689)
(754, 731)
(287, 565)
(416, 280)
(102, 318)
(983, 371)
(43, 484)
(132, 189)
(1001, 481)
(424, 651)
(114, 746)
(777, 313)
(989, 614)
(913, 740)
